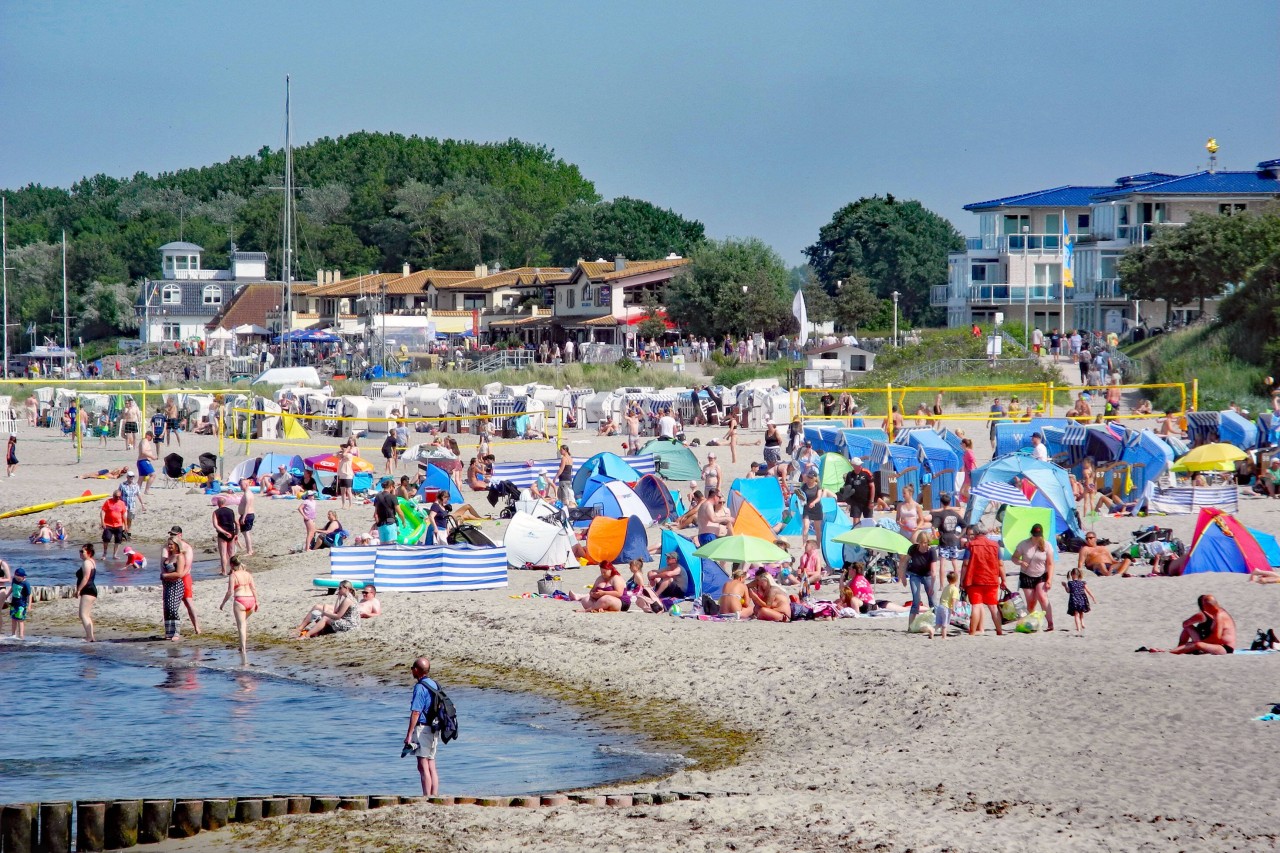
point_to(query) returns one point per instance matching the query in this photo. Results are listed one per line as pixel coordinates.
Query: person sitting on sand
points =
(667, 580)
(771, 603)
(690, 517)
(735, 598)
(369, 604)
(1208, 631)
(43, 533)
(344, 615)
(1097, 559)
(607, 427)
(608, 594)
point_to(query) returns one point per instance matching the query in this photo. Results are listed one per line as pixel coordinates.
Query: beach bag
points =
(1031, 623)
(1012, 607)
(800, 612)
(546, 585)
(710, 606)
(444, 716)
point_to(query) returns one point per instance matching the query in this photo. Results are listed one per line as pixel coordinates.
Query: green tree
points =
(817, 302)
(897, 245)
(1197, 261)
(732, 287)
(856, 306)
(625, 226)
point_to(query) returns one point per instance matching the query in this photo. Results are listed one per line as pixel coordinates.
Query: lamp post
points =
(745, 313)
(896, 294)
(1026, 293)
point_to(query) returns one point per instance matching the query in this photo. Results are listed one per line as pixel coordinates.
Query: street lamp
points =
(896, 294)
(1026, 293)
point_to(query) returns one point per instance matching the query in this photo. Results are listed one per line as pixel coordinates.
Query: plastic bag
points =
(923, 623)
(1032, 622)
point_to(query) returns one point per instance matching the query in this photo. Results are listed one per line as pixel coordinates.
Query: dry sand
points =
(849, 735)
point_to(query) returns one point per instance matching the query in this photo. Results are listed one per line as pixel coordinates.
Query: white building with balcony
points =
(1016, 262)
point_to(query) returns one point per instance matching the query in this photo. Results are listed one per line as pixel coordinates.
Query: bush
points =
(1202, 353)
(627, 365)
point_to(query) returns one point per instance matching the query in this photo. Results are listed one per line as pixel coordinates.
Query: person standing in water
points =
(421, 739)
(244, 591)
(87, 590)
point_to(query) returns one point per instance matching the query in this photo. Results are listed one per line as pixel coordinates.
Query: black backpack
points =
(443, 715)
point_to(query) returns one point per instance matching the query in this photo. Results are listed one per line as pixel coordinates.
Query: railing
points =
(1050, 244)
(502, 360)
(974, 244)
(1014, 293)
(938, 294)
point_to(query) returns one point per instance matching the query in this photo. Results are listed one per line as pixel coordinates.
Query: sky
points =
(760, 119)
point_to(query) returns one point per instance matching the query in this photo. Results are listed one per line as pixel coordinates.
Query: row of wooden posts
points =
(120, 824)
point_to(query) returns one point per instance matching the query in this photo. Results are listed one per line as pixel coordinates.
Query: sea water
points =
(54, 563)
(115, 720)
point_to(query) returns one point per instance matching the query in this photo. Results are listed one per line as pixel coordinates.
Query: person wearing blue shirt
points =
(20, 604)
(157, 425)
(421, 739)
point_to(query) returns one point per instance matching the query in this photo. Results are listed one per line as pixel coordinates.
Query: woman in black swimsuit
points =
(87, 590)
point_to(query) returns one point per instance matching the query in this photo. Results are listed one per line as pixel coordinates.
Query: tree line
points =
(373, 201)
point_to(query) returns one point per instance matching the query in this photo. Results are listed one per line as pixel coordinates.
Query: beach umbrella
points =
(1210, 457)
(328, 462)
(741, 549)
(1001, 493)
(875, 539)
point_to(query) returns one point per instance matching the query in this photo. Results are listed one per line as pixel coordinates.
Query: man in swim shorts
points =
(385, 511)
(982, 578)
(114, 510)
(1097, 559)
(246, 514)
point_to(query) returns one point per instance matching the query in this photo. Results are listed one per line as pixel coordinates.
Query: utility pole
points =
(66, 337)
(288, 228)
(4, 275)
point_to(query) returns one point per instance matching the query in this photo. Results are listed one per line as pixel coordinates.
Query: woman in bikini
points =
(735, 600)
(711, 474)
(909, 513)
(731, 438)
(241, 589)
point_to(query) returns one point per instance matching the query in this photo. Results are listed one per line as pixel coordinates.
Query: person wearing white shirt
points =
(1038, 449)
(667, 426)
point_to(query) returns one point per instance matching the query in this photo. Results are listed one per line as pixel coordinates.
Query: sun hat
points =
(857, 460)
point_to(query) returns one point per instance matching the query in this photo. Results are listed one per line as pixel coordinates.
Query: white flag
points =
(802, 317)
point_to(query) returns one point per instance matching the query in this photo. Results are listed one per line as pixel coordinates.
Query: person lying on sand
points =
(105, 474)
(1208, 631)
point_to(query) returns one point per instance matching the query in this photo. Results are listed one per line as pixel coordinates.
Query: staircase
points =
(502, 360)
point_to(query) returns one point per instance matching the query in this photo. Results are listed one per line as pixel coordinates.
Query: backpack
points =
(443, 716)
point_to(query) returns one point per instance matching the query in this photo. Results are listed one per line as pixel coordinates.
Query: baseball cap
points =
(128, 474)
(41, 521)
(20, 573)
(857, 460)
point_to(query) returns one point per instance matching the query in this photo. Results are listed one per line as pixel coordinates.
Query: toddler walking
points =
(947, 603)
(1079, 595)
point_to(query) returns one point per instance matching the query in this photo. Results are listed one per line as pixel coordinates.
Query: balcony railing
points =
(1033, 244)
(938, 294)
(997, 294)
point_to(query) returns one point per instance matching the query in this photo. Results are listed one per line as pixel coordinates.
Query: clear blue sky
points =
(757, 118)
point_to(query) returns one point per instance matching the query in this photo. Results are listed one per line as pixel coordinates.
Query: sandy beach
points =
(847, 735)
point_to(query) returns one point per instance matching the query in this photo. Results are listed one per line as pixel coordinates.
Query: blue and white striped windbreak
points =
(1001, 493)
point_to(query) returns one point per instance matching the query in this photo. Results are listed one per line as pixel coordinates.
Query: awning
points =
(521, 322)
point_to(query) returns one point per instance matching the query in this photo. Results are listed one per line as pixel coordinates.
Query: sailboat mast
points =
(286, 308)
(65, 327)
(4, 277)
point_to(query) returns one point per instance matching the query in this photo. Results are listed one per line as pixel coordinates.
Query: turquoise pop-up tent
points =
(611, 466)
(700, 576)
(672, 460)
(439, 479)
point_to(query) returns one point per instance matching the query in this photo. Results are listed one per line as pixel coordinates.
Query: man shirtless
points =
(772, 604)
(713, 518)
(633, 432)
(1209, 631)
(246, 515)
(1097, 559)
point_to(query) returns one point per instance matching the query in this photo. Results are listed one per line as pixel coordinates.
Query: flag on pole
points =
(802, 317)
(1068, 256)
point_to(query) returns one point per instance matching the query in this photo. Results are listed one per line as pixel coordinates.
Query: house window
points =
(182, 262)
(212, 295)
(586, 295)
(172, 331)
(1226, 209)
(472, 301)
(171, 295)
(569, 297)
(1082, 223)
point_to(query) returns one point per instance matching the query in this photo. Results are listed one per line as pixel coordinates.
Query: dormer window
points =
(171, 295)
(211, 295)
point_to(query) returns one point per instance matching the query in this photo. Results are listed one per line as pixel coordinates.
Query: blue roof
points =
(1059, 197)
(1202, 183)
(1144, 178)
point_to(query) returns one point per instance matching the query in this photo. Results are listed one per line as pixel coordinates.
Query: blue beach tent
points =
(700, 576)
(611, 466)
(439, 479)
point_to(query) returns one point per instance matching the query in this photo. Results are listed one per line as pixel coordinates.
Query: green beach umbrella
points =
(832, 467)
(875, 539)
(741, 549)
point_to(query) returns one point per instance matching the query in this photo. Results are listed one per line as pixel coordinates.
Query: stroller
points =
(504, 490)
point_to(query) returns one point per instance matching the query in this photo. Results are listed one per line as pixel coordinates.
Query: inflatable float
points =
(44, 507)
(332, 583)
(413, 527)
